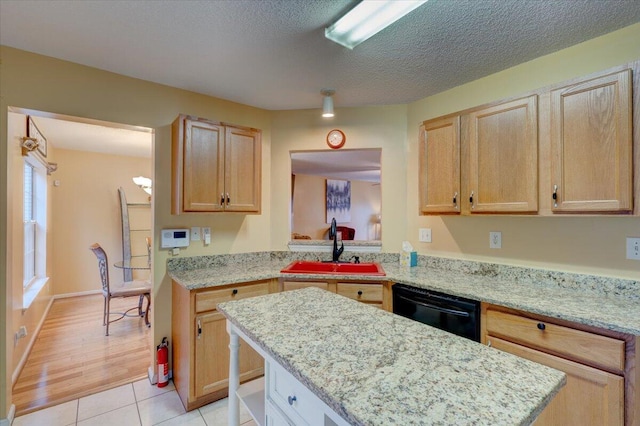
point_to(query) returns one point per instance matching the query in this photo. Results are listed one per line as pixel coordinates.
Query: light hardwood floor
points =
(72, 357)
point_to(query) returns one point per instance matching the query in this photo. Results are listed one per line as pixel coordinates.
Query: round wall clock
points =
(336, 139)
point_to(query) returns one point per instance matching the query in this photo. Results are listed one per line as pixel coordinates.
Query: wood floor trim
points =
(72, 358)
(25, 355)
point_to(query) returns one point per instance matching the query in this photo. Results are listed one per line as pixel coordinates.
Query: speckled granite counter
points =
(609, 303)
(375, 368)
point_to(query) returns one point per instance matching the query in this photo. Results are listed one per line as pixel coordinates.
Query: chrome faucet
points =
(333, 233)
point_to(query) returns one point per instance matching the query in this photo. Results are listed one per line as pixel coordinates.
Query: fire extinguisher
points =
(163, 363)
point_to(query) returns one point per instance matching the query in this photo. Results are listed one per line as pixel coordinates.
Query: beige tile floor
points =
(138, 403)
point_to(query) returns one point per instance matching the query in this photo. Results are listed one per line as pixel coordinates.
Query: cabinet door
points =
(590, 397)
(591, 144)
(243, 163)
(439, 161)
(212, 356)
(203, 167)
(503, 154)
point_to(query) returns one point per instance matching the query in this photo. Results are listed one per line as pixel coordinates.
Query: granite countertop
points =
(375, 368)
(608, 303)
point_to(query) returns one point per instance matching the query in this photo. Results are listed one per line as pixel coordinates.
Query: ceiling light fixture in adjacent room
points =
(327, 103)
(368, 18)
(144, 182)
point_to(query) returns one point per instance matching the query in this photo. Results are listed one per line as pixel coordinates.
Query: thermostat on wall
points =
(171, 238)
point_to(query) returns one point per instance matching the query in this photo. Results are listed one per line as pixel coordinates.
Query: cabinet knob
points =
(471, 199)
(291, 399)
(455, 199)
(359, 292)
(222, 199)
(555, 196)
(234, 291)
(541, 326)
(228, 199)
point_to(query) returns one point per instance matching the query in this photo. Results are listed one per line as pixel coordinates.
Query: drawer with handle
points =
(295, 401)
(370, 293)
(207, 300)
(578, 345)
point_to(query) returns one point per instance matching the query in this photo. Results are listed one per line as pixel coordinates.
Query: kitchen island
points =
(366, 366)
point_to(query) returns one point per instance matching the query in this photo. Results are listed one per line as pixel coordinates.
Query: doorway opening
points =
(94, 159)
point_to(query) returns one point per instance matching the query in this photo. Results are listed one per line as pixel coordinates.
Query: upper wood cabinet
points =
(591, 145)
(497, 147)
(503, 157)
(216, 167)
(439, 166)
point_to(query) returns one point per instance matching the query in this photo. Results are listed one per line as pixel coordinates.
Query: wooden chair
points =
(141, 289)
(346, 233)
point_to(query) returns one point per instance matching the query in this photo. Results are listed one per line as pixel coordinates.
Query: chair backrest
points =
(103, 265)
(347, 233)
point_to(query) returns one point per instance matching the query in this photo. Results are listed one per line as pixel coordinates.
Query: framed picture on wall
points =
(338, 200)
(34, 132)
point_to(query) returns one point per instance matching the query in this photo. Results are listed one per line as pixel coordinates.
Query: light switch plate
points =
(424, 235)
(495, 240)
(633, 248)
(195, 233)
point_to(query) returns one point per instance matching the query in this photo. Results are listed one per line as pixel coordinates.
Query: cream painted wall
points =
(31, 317)
(309, 207)
(45, 84)
(371, 127)
(86, 210)
(580, 244)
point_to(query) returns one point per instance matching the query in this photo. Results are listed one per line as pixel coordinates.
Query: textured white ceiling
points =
(272, 54)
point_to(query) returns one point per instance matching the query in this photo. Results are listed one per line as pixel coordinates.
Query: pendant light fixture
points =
(327, 103)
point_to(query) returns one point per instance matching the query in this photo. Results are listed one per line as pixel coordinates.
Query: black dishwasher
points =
(454, 314)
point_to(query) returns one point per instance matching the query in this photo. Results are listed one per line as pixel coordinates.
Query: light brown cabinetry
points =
(374, 293)
(591, 145)
(201, 342)
(216, 167)
(600, 365)
(367, 293)
(503, 157)
(562, 149)
(439, 164)
(498, 169)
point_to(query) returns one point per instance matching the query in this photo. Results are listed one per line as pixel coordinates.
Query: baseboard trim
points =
(10, 416)
(153, 378)
(80, 293)
(27, 352)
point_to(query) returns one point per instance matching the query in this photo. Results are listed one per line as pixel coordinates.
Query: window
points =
(30, 225)
(35, 230)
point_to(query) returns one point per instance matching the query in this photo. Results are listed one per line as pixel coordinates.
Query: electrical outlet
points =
(195, 233)
(22, 332)
(633, 248)
(495, 240)
(424, 235)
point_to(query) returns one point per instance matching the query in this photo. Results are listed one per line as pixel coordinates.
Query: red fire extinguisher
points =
(163, 363)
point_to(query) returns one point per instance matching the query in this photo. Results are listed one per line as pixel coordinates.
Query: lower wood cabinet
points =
(373, 293)
(201, 343)
(601, 366)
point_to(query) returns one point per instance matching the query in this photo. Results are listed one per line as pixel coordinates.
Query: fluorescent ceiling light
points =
(367, 19)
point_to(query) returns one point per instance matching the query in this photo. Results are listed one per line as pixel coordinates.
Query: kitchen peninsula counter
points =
(608, 303)
(375, 368)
